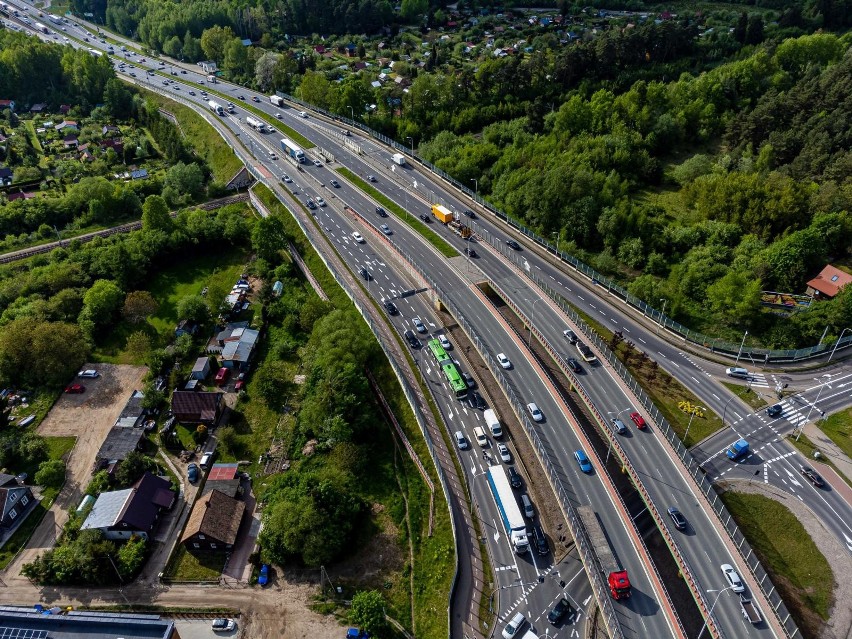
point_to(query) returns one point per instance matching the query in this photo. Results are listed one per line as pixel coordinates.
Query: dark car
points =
(513, 244)
(426, 218)
(192, 473)
(540, 540)
(254, 97)
(241, 97)
(813, 476)
(470, 214)
(574, 365)
(364, 273)
(468, 379)
(391, 308)
(381, 212)
(775, 411)
(515, 478)
(335, 184)
(559, 610)
(474, 400)
(471, 252)
(311, 204)
(411, 338)
(678, 519)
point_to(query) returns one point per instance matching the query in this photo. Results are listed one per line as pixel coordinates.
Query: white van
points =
(736, 371)
(481, 439)
(493, 423)
(205, 461)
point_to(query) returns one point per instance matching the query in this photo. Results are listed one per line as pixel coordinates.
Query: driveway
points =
(237, 567)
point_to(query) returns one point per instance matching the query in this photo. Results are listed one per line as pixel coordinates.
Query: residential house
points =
(7, 104)
(350, 50)
(197, 407)
(828, 283)
(201, 369)
(208, 66)
(213, 523)
(38, 107)
(16, 504)
(6, 176)
(138, 174)
(109, 128)
(185, 327)
(246, 42)
(64, 108)
(113, 143)
(71, 125)
(70, 141)
(120, 514)
(319, 49)
(225, 478)
(20, 195)
(237, 342)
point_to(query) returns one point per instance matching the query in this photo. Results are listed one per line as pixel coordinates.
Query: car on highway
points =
(559, 610)
(223, 625)
(286, 178)
(335, 183)
(445, 343)
(475, 401)
(317, 163)
(539, 540)
(412, 340)
(320, 201)
(391, 308)
(535, 412)
(386, 229)
(677, 518)
(263, 577)
(733, 578)
(241, 97)
(638, 420)
(812, 476)
(381, 212)
(515, 478)
(461, 442)
(470, 252)
(504, 361)
(775, 410)
(513, 245)
(192, 93)
(425, 218)
(303, 114)
(192, 473)
(358, 237)
(570, 335)
(736, 371)
(469, 214)
(513, 628)
(371, 178)
(504, 453)
(311, 204)
(89, 373)
(278, 115)
(365, 274)
(583, 460)
(618, 426)
(419, 325)
(75, 389)
(254, 97)
(574, 365)
(468, 379)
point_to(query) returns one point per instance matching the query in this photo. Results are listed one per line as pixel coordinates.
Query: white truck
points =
(256, 124)
(277, 100)
(493, 423)
(216, 107)
(398, 159)
(510, 514)
(212, 79)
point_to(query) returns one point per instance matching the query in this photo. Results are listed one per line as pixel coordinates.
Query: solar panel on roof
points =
(22, 633)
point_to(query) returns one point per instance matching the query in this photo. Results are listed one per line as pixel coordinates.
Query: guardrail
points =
(714, 344)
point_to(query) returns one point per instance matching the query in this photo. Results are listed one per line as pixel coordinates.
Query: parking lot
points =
(200, 629)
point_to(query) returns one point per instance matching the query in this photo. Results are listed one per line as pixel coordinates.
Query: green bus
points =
(455, 379)
(438, 351)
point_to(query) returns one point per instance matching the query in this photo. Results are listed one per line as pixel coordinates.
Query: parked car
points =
(638, 420)
(192, 473)
(559, 610)
(775, 411)
(733, 578)
(677, 518)
(224, 625)
(419, 325)
(391, 308)
(583, 461)
(515, 478)
(513, 245)
(90, 373)
(618, 426)
(263, 577)
(535, 412)
(504, 361)
(412, 340)
(504, 453)
(75, 389)
(812, 476)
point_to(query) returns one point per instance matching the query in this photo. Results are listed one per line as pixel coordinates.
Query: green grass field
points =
(748, 395)
(798, 569)
(838, 427)
(184, 566)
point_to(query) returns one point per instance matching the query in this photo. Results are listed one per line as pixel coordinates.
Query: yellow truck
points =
(442, 213)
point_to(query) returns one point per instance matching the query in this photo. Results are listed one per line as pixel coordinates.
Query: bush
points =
(51, 473)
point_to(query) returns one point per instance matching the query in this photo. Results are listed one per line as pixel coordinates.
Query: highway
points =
(703, 548)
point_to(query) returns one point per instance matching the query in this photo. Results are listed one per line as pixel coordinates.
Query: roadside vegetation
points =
(747, 394)
(798, 569)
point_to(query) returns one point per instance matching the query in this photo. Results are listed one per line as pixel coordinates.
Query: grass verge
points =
(808, 448)
(664, 390)
(838, 428)
(748, 395)
(434, 239)
(798, 569)
(22, 535)
(184, 566)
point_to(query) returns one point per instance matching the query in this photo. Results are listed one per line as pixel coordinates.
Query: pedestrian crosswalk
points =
(792, 414)
(758, 380)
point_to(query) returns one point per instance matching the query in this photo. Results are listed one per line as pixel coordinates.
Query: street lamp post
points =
(710, 613)
(532, 321)
(691, 417)
(838, 343)
(556, 237)
(351, 112)
(475, 185)
(725, 410)
(662, 313)
(740, 352)
(408, 137)
(808, 417)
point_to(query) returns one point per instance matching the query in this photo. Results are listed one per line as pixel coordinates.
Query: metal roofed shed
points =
(38, 623)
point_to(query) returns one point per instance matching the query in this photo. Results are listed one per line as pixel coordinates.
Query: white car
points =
(505, 455)
(286, 178)
(504, 361)
(317, 163)
(736, 371)
(224, 625)
(535, 412)
(733, 578)
(320, 201)
(445, 343)
(278, 115)
(385, 229)
(358, 237)
(89, 374)
(513, 628)
(419, 325)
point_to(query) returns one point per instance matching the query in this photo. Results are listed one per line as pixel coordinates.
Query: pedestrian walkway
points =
(830, 450)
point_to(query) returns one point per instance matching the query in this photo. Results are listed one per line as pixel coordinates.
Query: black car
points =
(813, 476)
(335, 184)
(559, 610)
(311, 204)
(365, 274)
(381, 212)
(574, 365)
(390, 307)
(241, 97)
(775, 411)
(540, 540)
(513, 244)
(514, 478)
(678, 519)
(468, 379)
(426, 219)
(471, 252)
(470, 214)
(474, 400)
(412, 340)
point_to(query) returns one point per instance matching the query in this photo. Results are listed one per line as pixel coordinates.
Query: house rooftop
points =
(35, 624)
(830, 281)
(216, 515)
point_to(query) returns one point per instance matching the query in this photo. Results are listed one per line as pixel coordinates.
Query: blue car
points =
(263, 578)
(585, 464)
(192, 473)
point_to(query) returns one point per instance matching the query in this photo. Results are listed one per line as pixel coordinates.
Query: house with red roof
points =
(828, 283)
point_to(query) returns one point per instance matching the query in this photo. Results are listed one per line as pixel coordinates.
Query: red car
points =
(638, 420)
(75, 389)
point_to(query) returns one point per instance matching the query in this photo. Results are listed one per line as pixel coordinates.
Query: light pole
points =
(838, 343)
(691, 417)
(408, 137)
(710, 613)
(351, 112)
(740, 352)
(491, 596)
(555, 235)
(725, 410)
(475, 186)
(532, 321)
(808, 417)
(662, 313)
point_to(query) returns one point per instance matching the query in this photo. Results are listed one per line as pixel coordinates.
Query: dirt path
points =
(839, 624)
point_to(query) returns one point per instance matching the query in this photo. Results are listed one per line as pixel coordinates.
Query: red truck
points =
(222, 376)
(616, 576)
